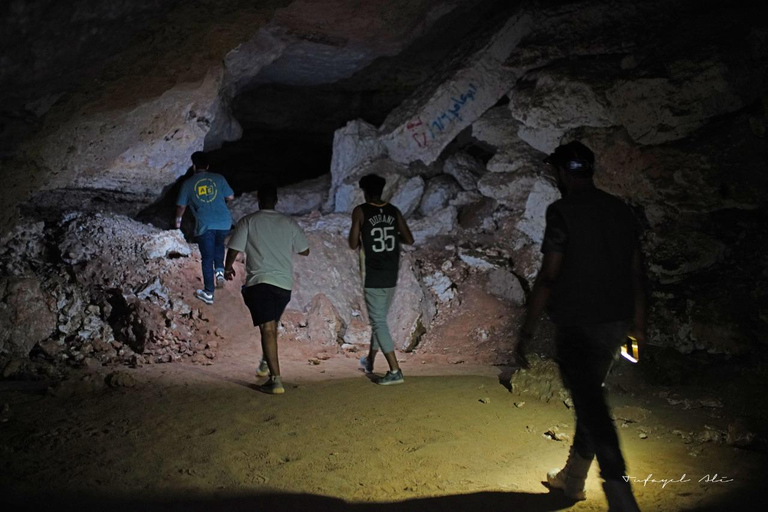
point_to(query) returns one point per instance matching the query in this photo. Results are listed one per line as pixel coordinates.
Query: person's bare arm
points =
(179, 214)
(402, 227)
(229, 270)
(354, 230)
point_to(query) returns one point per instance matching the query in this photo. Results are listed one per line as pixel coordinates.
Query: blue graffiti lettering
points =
(452, 114)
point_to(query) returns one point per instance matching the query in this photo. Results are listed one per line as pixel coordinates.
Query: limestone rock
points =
(349, 194)
(440, 285)
(425, 124)
(673, 259)
(332, 269)
(465, 169)
(324, 325)
(442, 222)
(556, 103)
(658, 110)
(542, 381)
(358, 332)
(513, 189)
(409, 315)
(408, 196)
(26, 315)
(439, 192)
(543, 193)
(304, 197)
(138, 151)
(505, 285)
(299, 199)
(23, 245)
(166, 244)
(496, 127)
(353, 145)
(476, 214)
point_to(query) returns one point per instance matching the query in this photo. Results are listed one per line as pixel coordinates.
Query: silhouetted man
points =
(381, 228)
(269, 239)
(591, 280)
(207, 194)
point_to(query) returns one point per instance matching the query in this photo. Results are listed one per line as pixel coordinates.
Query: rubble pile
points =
(92, 290)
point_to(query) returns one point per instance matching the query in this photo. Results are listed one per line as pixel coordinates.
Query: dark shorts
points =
(265, 302)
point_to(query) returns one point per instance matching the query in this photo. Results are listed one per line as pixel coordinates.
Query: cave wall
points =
(162, 88)
(671, 95)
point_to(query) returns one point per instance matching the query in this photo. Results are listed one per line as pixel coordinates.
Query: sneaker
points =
(274, 386)
(204, 296)
(220, 279)
(365, 365)
(391, 378)
(263, 369)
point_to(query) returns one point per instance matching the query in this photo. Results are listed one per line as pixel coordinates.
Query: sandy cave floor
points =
(191, 437)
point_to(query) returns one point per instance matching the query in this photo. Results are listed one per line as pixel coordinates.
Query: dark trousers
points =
(585, 355)
(212, 253)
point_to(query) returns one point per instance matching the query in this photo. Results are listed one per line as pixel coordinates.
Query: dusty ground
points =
(190, 437)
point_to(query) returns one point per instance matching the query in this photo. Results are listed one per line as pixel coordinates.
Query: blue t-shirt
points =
(204, 193)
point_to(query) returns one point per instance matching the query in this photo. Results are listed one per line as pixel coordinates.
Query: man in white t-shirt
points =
(269, 239)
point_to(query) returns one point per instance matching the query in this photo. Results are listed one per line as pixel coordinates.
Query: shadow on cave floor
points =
(494, 501)
(287, 502)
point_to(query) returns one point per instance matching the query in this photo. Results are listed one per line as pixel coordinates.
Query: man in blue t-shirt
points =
(206, 193)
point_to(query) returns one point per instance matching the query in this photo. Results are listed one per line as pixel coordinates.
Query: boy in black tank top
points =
(380, 228)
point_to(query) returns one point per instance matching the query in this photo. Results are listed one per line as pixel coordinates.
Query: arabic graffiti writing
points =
(422, 132)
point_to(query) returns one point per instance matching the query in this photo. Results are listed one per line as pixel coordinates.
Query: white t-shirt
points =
(269, 239)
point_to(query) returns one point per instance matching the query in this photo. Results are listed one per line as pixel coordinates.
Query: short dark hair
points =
(200, 160)
(372, 185)
(267, 193)
(575, 158)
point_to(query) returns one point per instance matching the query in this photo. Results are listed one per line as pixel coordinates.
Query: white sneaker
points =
(263, 369)
(220, 279)
(204, 296)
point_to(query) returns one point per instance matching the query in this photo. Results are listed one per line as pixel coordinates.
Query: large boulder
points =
(554, 104)
(653, 110)
(298, 199)
(354, 145)
(465, 169)
(408, 195)
(333, 271)
(533, 222)
(349, 194)
(512, 189)
(442, 222)
(425, 124)
(439, 192)
(138, 151)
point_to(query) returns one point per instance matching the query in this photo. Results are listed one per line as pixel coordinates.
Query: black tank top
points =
(381, 246)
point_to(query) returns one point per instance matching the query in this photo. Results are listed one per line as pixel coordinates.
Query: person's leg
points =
(274, 385)
(378, 301)
(572, 477)
(220, 235)
(585, 362)
(606, 340)
(206, 244)
(269, 346)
